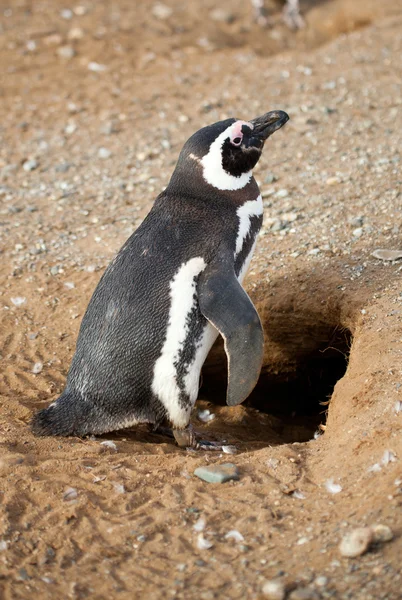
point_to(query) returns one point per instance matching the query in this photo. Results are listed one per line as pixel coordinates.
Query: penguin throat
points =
(213, 170)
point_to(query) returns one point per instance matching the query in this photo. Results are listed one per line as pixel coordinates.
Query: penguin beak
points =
(269, 123)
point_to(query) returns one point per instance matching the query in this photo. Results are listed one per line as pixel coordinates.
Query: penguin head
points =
(228, 150)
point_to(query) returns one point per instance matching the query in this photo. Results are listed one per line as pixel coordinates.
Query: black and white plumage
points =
(171, 289)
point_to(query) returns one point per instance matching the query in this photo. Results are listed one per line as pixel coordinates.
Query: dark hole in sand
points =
(296, 391)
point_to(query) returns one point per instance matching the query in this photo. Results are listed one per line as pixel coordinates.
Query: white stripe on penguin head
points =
(211, 163)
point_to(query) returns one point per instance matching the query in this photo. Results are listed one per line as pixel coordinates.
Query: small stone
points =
(109, 445)
(66, 52)
(282, 193)
(304, 593)
(234, 535)
(30, 165)
(217, 473)
(37, 368)
(76, 33)
(63, 167)
(66, 13)
(356, 543)
(381, 533)
(54, 270)
(18, 300)
(221, 15)
(205, 416)
(23, 575)
(229, 449)
(202, 543)
(96, 67)
(332, 181)
(358, 232)
(321, 581)
(104, 153)
(70, 494)
(387, 254)
(333, 488)
(274, 590)
(161, 11)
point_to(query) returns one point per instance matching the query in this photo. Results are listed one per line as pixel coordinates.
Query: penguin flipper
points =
(226, 305)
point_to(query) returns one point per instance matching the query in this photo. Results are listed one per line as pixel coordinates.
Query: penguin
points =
(174, 286)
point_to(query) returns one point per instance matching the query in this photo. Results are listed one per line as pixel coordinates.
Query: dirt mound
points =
(97, 100)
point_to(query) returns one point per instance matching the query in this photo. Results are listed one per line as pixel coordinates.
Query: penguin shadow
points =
(308, 322)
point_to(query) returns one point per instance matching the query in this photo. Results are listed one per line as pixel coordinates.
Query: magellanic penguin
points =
(172, 288)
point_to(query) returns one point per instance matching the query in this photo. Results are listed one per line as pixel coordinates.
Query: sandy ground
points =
(96, 102)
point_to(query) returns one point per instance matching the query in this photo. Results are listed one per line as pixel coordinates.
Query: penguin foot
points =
(185, 438)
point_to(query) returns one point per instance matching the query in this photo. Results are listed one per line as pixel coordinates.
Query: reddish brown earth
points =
(331, 184)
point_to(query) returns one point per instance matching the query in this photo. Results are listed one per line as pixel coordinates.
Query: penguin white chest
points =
(183, 299)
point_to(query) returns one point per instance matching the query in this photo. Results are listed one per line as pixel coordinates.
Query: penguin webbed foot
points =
(188, 438)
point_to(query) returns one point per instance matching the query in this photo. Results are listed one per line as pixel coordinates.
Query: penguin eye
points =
(237, 141)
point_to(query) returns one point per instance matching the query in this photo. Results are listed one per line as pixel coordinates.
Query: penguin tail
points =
(63, 417)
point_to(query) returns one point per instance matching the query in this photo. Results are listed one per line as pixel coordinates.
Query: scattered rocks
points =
(304, 593)
(161, 11)
(66, 52)
(356, 543)
(109, 445)
(274, 590)
(104, 153)
(96, 67)
(333, 488)
(205, 416)
(18, 300)
(387, 254)
(217, 473)
(234, 535)
(37, 368)
(202, 543)
(381, 533)
(30, 165)
(70, 494)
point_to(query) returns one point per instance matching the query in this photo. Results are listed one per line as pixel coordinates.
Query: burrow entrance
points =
(297, 379)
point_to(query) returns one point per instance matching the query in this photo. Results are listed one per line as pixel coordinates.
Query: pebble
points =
(96, 67)
(356, 543)
(18, 300)
(202, 543)
(66, 52)
(199, 525)
(205, 415)
(387, 254)
(332, 488)
(217, 473)
(229, 449)
(109, 444)
(76, 33)
(358, 232)
(382, 533)
(235, 535)
(332, 181)
(221, 15)
(66, 13)
(37, 368)
(274, 590)
(70, 494)
(161, 11)
(104, 153)
(30, 165)
(303, 593)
